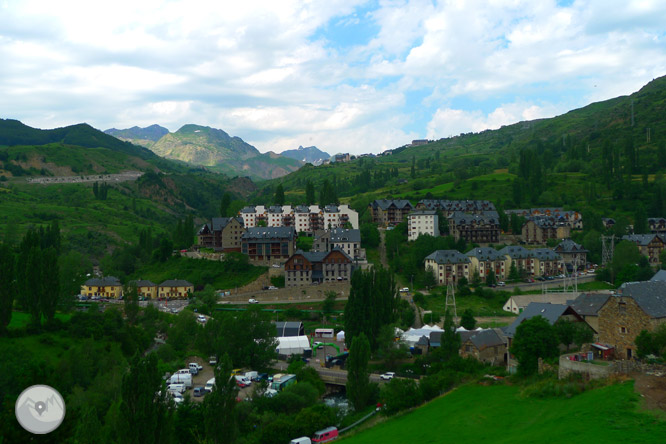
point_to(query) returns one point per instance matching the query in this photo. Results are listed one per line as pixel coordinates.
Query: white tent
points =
(293, 345)
(340, 336)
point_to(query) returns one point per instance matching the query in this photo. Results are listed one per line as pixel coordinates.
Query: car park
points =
(252, 301)
(387, 376)
(212, 360)
(195, 368)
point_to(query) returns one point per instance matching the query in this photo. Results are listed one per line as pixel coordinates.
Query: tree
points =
(51, 283)
(145, 410)
(309, 193)
(7, 286)
(467, 320)
(358, 376)
(640, 220)
(369, 235)
(224, 205)
(329, 303)
(513, 272)
(279, 195)
(450, 344)
(131, 299)
(626, 253)
(400, 394)
(535, 338)
(490, 279)
(219, 406)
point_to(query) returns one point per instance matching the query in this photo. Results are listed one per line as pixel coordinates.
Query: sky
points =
(344, 75)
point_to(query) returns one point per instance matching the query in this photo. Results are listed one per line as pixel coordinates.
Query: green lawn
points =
(498, 414)
(479, 306)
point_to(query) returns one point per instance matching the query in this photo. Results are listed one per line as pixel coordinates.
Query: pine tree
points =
(279, 195)
(220, 420)
(309, 193)
(224, 205)
(50, 283)
(467, 320)
(7, 286)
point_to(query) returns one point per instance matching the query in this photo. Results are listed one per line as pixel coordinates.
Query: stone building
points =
(475, 228)
(537, 230)
(487, 346)
(637, 306)
(587, 305)
(222, 234)
(386, 212)
(573, 254)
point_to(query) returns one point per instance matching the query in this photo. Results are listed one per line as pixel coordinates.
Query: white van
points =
(251, 375)
(195, 368)
(183, 371)
(176, 388)
(243, 380)
(182, 378)
(209, 385)
(302, 440)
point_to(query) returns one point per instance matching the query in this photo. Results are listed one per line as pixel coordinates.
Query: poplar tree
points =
(7, 286)
(220, 420)
(358, 378)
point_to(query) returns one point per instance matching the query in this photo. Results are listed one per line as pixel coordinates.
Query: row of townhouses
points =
(110, 287)
(303, 218)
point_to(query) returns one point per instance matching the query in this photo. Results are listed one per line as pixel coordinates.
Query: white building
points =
(303, 218)
(422, 222)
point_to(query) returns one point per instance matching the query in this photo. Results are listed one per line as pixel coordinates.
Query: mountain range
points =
(211, 148)
(310, 154)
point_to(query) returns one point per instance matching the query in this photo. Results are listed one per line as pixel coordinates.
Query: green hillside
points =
(499, 414)
(589, 158)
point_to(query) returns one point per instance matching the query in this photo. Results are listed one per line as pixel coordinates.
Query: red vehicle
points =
(326, 435)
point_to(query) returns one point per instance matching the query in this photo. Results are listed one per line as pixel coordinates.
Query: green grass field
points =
(498, 414)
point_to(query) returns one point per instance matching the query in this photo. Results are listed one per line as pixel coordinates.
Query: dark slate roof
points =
(544, 254)
(659, 276)
(219, 223)
(423, 340)
(275, 209)
(448, 257)
(175, 283)
(588, 304)
(640, 239)
(458, 205)
(569, 246)
(106, 281)
(461, 218)
(487, 338)
(302, 209)
(331, 209)
(515, 252)
(423, 213)
(551, 312)
(269, 233)
(545, 221)
(204, 229)
(384, 204)
(650, 296)
(343, 235)
(485, 254)
(319, 256)
(465, 335)
(436, 338)
(248, 210)
(142, 283)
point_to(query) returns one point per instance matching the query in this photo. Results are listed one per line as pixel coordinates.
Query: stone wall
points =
(613, 319)
(591, 371)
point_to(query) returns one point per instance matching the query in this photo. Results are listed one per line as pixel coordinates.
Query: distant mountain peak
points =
(153, 133)
(310, 154)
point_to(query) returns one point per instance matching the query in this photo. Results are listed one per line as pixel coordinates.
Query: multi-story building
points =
(422, 222)
(146, 289)
(386, 212)
(270, 244)
(538, 230)
(573, 219)
(475, 228)
(105, 287)
(303, 218)
(650, 245)
(485, 259)
(574, 256)
(175, 289)
(448, 266)
(516, 255)
(636, 307)
(544, 262)
(346, 240)
(657, 225)
(449, 207)
(306, 268)
(223, 234)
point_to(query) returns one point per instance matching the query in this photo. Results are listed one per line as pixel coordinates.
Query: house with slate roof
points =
(448, 266)
(306, 268)
(637, 306)
(222, 234)
(347, 240)
(544, 262)
(550, 312)
(538, 229)
(146, 289)
(659, 276)
(268, 244)
(488, 346)
(175, 289)
(387, 212)
(105, 287)
(572, 253)
(650, 245)
(486, 259)
(588, 305)
(475, 228)
(657, 225)
(517, 255)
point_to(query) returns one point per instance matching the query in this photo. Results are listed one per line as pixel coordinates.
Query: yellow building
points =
(146, 289)
(175, 289)
(106, 287)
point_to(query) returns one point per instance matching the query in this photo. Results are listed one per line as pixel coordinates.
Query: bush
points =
(400, 394)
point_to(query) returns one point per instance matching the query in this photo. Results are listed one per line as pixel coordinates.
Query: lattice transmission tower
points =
(607, 246)
(451, 301)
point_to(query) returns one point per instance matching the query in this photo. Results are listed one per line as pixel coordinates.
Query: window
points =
(622, 307)
(624, 330)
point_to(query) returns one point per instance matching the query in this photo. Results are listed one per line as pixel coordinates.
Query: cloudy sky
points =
(344, 75)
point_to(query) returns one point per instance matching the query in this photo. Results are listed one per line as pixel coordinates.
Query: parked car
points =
(404, 290)
(177, 398)
(302, 440)
(387, 376)
(252, 301)
(201, 318)
(272, 287)
(212, 360)
(275, 265)
(261, 377)
(501, 283)
(198, 392)
(195, 368)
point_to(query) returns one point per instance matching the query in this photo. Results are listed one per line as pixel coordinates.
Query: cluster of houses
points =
(475, 221)
(615, 319)
(110, 287)
(449, 266)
